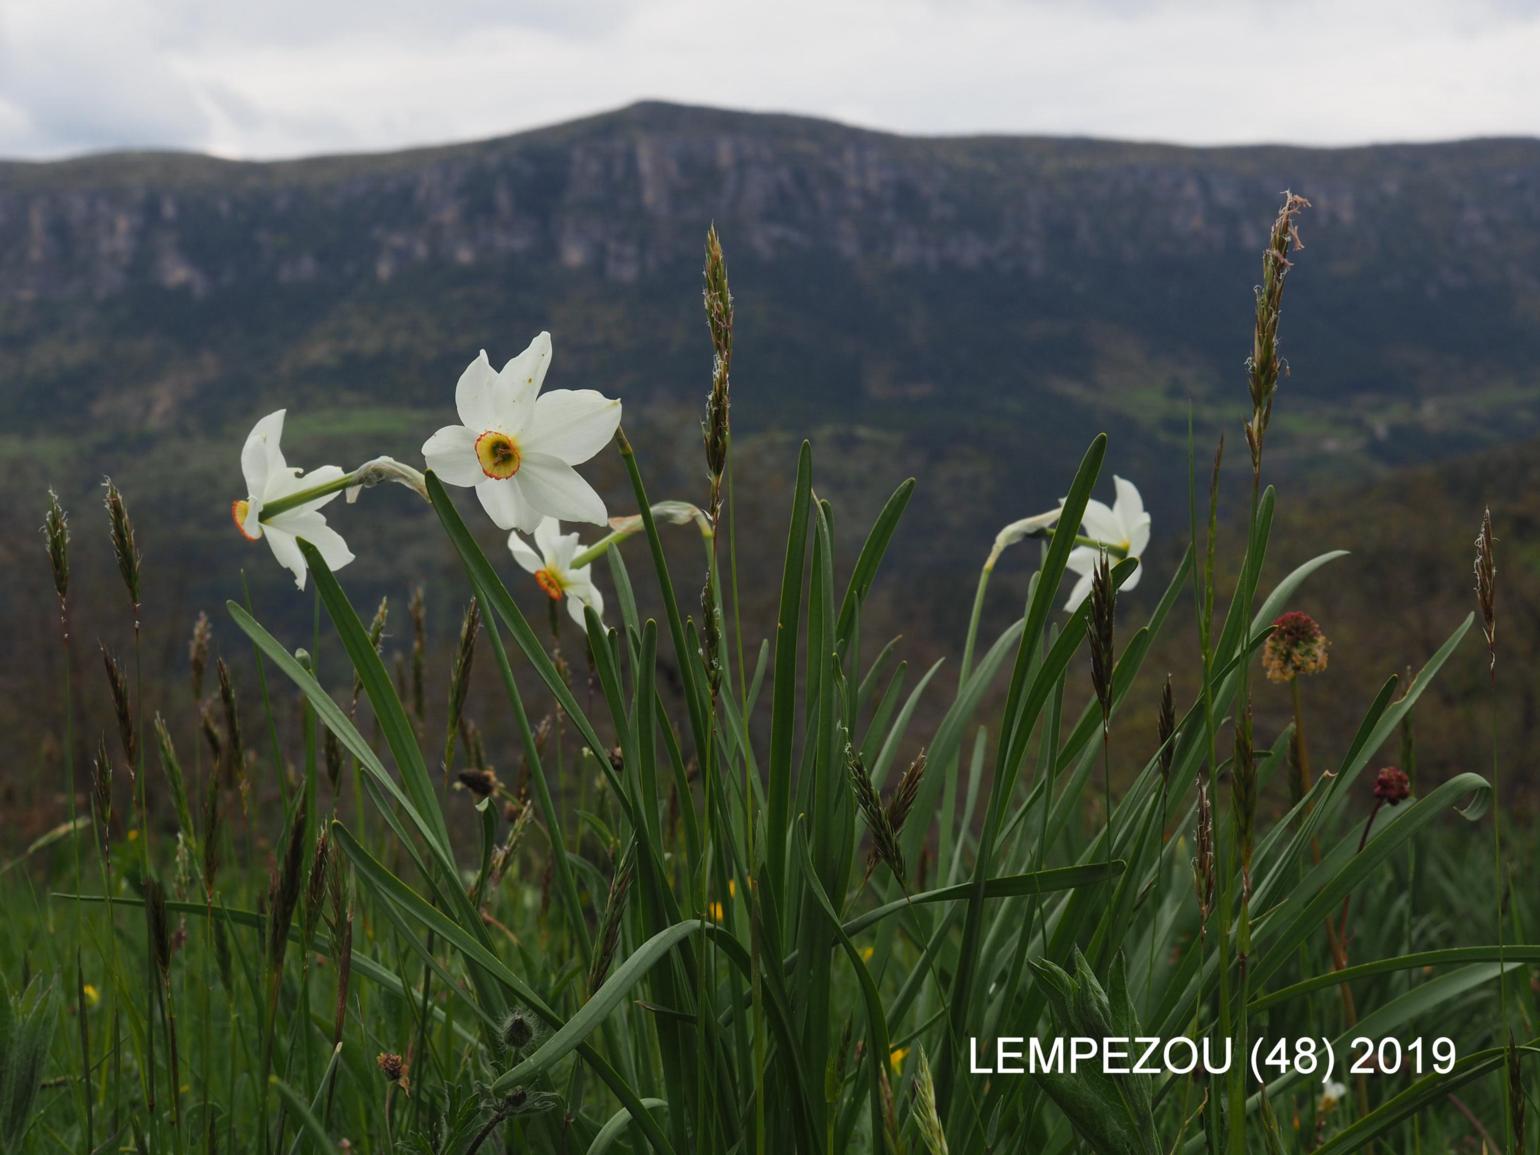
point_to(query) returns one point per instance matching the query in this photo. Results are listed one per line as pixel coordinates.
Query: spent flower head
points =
(394, 1068)
(1296, 646)
(517, 446)
(271, 479)
(1331, 1094)
(550, 561)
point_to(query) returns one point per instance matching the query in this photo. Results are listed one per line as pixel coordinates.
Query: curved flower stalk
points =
(517, 447)
(673, 512)
(380, 469)
(552, 560)
(1122, 530)
(1036, 526)
(283, 503)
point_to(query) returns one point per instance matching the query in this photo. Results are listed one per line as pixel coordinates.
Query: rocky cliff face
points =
(624, 196)
(1036, 289)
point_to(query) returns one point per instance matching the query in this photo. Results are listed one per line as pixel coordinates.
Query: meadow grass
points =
(730, 900)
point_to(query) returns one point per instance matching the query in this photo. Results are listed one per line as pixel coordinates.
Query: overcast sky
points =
(290, 77)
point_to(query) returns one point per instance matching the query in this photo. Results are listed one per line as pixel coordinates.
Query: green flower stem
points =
(973, 626)
(635, 525)
(305, 496)
(371, 472)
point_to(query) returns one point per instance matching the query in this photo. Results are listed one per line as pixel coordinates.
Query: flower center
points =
(240, 510)
(550, 583)
(499, 455)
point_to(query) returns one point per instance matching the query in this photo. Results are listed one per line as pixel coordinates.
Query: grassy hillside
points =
(968, 311)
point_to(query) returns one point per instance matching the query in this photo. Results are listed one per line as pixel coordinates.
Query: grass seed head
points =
(719, 318)
(101, 799)
(1203, 864)
(465, 656)
(1264, 367)
(884, 841)
(198, 652)
(158, 925)
(926, 1119)
(212, 738)
(481, 783)
(609, 928)
(235, 755)
(1486, 586)
(343, 933)
(1167, 733)
(319, 880)
(1243, 787)
(211, 821)
(128, 733)
(902, 803)
(418, 611)
(333, 756)
(1103, 612)
(470, 738)
(56, 534)
(284, 892)
(376, 639)
(123, 545)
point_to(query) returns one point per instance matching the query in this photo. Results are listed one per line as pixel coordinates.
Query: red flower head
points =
(1392, 786)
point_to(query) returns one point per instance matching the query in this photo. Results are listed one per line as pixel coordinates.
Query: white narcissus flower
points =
(551, 562)
(269, 478)
(1124, 528)
(517, 446)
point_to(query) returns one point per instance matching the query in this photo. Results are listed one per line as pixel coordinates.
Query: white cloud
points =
(299, 76)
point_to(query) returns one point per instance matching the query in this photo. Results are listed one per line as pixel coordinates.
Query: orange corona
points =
(239, 510)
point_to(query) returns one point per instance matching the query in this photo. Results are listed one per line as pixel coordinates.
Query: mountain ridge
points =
(648, 107)
(968, 297)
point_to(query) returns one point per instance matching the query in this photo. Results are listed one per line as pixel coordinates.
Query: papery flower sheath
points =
(517, 446)
(550, 561)
(1124, 529)
(268, 479)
